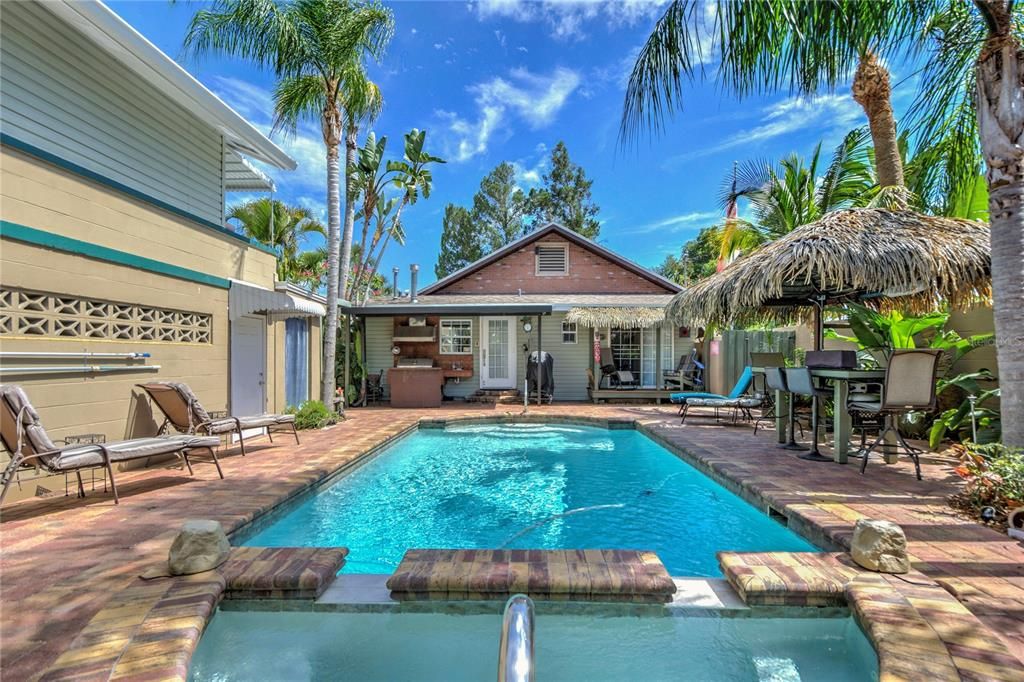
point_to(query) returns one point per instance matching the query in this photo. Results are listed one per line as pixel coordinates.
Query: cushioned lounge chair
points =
(741, 387)
(25, 438)
(186, 414)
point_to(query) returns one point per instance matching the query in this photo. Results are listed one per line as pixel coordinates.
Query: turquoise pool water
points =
(538, 486)
(425, 646)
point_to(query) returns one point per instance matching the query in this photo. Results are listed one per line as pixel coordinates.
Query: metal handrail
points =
(35, 355)
(515, 655)
(25, 370)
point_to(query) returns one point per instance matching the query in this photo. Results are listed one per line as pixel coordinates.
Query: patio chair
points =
(775, 380)
(375, 387)
(609, 371)
(909, 387)
(741, 387)
(186, 414)
(800, 381)
(25, 438)
(688, 374)
(741, 407)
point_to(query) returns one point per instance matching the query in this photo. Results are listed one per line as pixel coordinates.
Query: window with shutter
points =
(552, 259)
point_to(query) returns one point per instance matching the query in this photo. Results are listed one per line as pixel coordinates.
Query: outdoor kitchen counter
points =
(415, 386)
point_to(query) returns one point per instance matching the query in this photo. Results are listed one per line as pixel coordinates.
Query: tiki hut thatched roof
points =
(622, 317)
(884, 259)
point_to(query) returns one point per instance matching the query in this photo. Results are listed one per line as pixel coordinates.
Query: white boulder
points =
(200, 546)
(880, 546)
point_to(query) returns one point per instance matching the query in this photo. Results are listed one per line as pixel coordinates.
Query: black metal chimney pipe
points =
(394, 282)
(414, 274)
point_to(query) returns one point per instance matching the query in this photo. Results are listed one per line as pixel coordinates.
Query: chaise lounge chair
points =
(25, 438)
(185, 413)
(741, 387)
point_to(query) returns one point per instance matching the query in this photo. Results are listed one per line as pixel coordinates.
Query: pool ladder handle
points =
(515, 654)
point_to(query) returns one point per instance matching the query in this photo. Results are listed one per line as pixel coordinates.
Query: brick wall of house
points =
(589, 273)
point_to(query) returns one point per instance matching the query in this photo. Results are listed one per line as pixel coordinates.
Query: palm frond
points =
(297, 98)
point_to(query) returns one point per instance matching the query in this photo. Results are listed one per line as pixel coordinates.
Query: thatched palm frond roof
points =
(885, 259)
(621, 317)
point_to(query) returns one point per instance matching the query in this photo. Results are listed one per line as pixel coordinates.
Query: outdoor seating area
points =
(744, 402)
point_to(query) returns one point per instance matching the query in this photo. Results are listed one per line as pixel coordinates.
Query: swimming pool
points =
(537, 486)
(247, 645)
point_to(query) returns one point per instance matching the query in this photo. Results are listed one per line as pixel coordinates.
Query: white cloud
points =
(305, 146)
(566, 19)
(824, 113)
(533, 98)
(439, 46)
(528, 173)
(500, 37)
(522, 49)
(413, 31)
(678, 223)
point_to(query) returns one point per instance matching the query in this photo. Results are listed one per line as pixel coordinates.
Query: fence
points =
(737, 344)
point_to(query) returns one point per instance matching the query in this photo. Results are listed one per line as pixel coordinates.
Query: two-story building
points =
(116, 266)
(552, 290)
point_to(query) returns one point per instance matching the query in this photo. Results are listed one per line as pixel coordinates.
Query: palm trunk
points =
(1000, 74)
(873, 92)
(351, 139)
(331, 124)
(380, 254)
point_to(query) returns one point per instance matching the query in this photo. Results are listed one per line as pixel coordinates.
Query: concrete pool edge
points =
(160, 640)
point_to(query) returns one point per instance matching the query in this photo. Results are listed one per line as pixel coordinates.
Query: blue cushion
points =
(743, 383)
(680, 397)
(741, 387)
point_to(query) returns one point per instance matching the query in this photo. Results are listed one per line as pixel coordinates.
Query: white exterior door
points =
(248, 365)
(497, 352)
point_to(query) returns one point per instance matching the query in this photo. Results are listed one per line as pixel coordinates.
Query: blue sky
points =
(500, 80)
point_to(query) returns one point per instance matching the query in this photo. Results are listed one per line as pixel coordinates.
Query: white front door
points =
(248, 365)
(497, 352)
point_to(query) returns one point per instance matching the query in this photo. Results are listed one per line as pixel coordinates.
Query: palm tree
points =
(362, 102)
(971, 93)
(414, 177)
(1000, 106)
(783, 196)
(771, 45)
(281, 231)
(311, 46)
(311, 269)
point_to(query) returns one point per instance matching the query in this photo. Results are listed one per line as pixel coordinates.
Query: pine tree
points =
(499, 207)
(460, 241)
(565, 197)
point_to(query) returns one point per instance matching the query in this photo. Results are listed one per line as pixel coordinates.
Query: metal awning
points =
(240, 174)
(245, 299)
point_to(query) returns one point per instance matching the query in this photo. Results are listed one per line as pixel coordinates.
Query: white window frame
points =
(574, 331)
(449, 324)
(551, 245)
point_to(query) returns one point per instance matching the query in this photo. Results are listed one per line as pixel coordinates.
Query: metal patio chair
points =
(909, 387)
(26, 439)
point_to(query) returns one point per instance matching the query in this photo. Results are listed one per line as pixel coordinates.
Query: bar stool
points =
(775, 380)
(801, 382)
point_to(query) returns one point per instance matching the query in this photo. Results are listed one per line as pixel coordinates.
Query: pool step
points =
(497, 396)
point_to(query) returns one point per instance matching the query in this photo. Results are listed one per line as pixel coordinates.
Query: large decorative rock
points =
(200, 546)
(880, 546)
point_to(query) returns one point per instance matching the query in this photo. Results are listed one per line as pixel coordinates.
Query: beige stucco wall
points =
(40, 195)
(36, 194)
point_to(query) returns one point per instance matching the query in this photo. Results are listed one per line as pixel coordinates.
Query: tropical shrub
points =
(994, 477)
(312, 414)
(878, 334)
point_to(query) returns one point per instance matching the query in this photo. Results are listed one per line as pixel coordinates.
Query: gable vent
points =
(552, 260)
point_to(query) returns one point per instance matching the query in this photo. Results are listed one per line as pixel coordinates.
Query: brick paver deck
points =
(65, 559)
